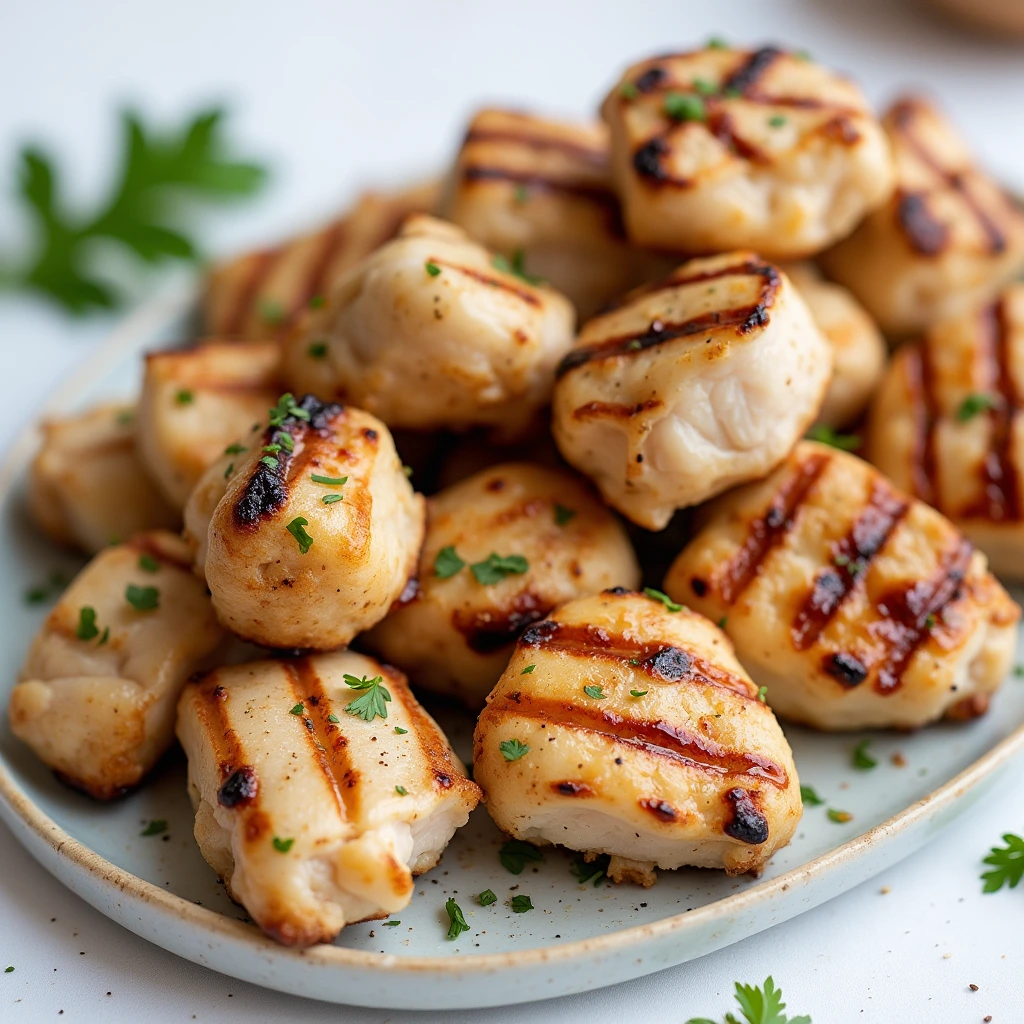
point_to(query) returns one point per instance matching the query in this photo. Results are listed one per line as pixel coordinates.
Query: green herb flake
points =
(391, 924)
(1007, 864)
(722, 621)
(521, 194)
(486, 898)
(776, 121)
(282, 845)
(515, 854)
(234, 449)
(329, 481)
(447, 563)
(512, 750)
(7, 970)
(154, 828)
(929, 621)
(272, 448)
(270, 461)
(974, 404)
(432, 268)
(762, 694)
(704, 87)
(628, 91)
(230, 469)
(1018, 671)
(142, 599)
(840, 817)
(400, 730)
(717, 43)
(516, 266)
(333, 719)
(759, 1005)
(317, 302)
(331, 499)
(528, 671)
(299, 709)
(373, 703)
(271, 312)
(563, 515)
(125, 417)
(596, 869)
(297, 529)
(657, 595)
(826, 435)
(104, 636)
(184, 397)
(861, 758)
(521, 904)
(810, 797)
(494, 568)
(639, 693)
(456, 922)
(317, 350)
(684, 106)
(401, 791)
(595, 692)
(285, 440)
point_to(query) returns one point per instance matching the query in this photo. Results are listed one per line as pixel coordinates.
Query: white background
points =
(341, 94)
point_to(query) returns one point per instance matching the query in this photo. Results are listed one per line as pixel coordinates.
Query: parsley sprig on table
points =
(1007, 864)
(758, 1005)
(158, 171)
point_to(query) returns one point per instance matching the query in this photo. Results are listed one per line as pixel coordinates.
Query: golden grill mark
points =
(491, 629)
(595, 154)
(851, 559)
(570, 788)
(661, 809)
(528, 296)
(742, 318)
(771, 529)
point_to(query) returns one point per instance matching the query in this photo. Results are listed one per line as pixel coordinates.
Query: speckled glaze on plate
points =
(579, 936)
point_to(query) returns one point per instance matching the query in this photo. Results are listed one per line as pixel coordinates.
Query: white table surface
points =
(341, 94)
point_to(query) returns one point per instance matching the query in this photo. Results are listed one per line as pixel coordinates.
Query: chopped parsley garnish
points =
(486, 898)
(762, 694)
(46, 591)
(447, 563)
(638, 693)
(282, 845)
(271, 312)
(285, 441)
(512, 750)
(717, 43)
(1018, 671)
(826, 435)
(329, 481)
(7, 970)
(776, 121)
(929, 621)
(974, 404)
(317, 350)
(758, 1006)
(802, 55)
(286, 406)
(392, 924)
(528, 671)
(704, 87)
(334, 719)
(1007, 864)
(521, 193)
(234, 449)
(104, 637)
(494, 568)
(628, 91)
(596, 869)
(810, 797)
(230, 469)
(456, 922)
(142, 599)
(861, 758)
(154, 828)
(125, 416)
(148, 563)
(269, 460)
(297, 529)
(317, 302)
(401, 791)
(516, 266)
(841, 817)
(272, 448)
(184, 397)
(521, 904)
(373, 703)
(432, 268)
(564, 515)
(297, 710)
(595, 691)
(684, 106)
(515, 853)
(330, 499)
(657, 595)
(400, 730)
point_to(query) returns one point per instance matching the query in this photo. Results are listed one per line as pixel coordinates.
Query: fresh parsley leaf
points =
(317, 350)
(515, 853)
(400, 730)
(391, 924)
(826, 435)
(456, 922)
(286, 406)
(596, 869)
(639, 693)
(158, 170)
(230, 469)
(486, 898)
(717, 43)
(657, 595)
(628, 91)
(810, 797)
(86, 628)
(401, 791)
(270, 461)
(330, 481)
(512, 750)
(776, 121)
(494, 568)
(331, 499)
(432, 268)
(447, 563)
(373, 703)
(1007, 864)
(684, 106)
(7, 970)
(516, 266)
(840, 817)
(333, 719)
(595, 692)
(759, 1005)
(154, 828)
(528, 671)
(762, 694)
(184, 397)
(861, 758)
(297, 710)
(282, 845)
(297, 529)
(317, 302)
(104, 637)
(142, 599)
(563, 515)
(974, 404)
(148, 563)
(521, 904)
(272, 312)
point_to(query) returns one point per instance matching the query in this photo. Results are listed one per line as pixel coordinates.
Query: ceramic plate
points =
(579, 936)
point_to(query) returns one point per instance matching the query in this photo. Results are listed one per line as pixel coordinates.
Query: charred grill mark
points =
(489, 630)
(920, 386)
(521, 292)
(699, 586)
(658, 660)
(614, 410)
(240, 787)
(659, 808)
(593, 154)
(657, 738)
(327, 744)
(926, 235)
(743, 319)
(1000, 498)
(845, 668)
(905, 615)
(904, 113)
(771, 529)
(258, 267)
(746, 822)
(569, 788)
(750, 72)
(647, 161)
(650, 79)
(851, 559)
(266, 490)
(722, 126)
